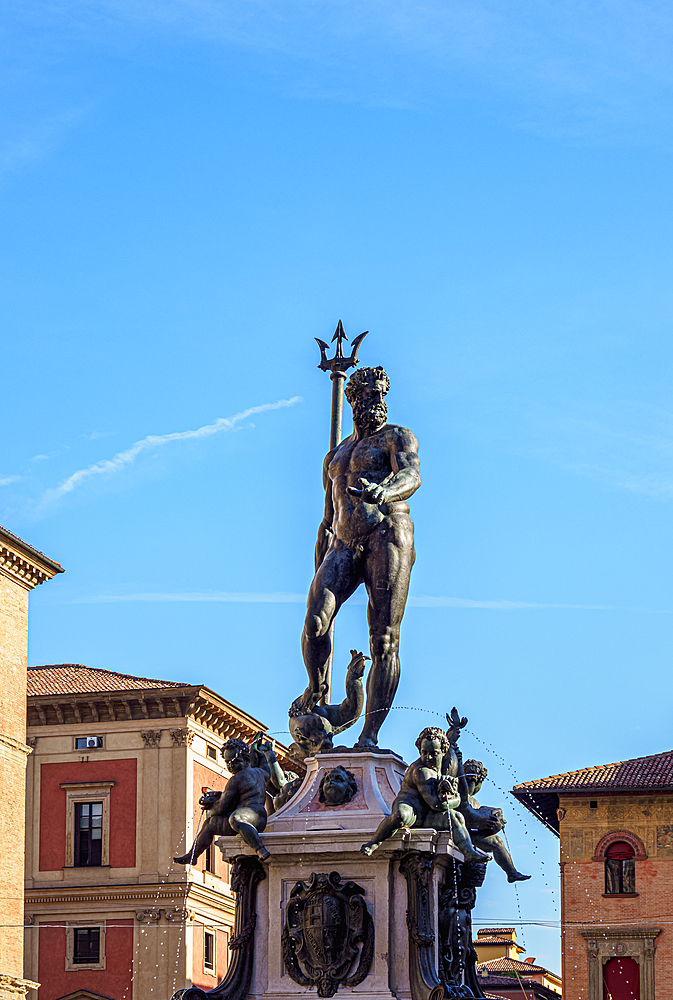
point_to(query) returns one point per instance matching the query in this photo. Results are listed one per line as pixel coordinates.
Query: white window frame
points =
(88, 749)
(210, 970)
(72, 926)
(86, 791)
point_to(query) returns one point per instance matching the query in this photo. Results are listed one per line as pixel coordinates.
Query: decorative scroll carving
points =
(178, 914)
(324, 923)
(416, 866)
(31, 741)
(182, 737)
(246, 873)
(151, 916)
(458, 958)
(151, 737)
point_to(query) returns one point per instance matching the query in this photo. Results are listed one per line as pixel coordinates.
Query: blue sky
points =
(191, 192)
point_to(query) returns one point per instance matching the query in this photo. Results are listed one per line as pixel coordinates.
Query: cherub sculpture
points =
(282, 785)
(429, 797)
(338, 787)
(313, 726)
(483, 822)
(240, 807)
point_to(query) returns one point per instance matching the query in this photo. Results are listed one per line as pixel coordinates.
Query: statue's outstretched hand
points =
(356, 667)
(455, 725)
(369, 492)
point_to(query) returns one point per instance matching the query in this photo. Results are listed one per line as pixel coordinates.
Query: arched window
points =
(621, 979)
(620, 869)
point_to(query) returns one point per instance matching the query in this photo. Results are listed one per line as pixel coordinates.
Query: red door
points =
(621, 979)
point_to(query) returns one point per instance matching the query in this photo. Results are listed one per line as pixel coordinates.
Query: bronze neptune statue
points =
(366, 536)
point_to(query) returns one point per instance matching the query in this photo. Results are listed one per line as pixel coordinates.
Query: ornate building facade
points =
(117, 769)
(615, 824)
(21, 569)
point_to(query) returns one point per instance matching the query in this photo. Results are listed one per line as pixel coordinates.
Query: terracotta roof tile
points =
(75, 678)
(511, 965)
(497, 939)
(655, 771)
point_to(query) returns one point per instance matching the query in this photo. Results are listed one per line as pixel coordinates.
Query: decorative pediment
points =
(84, 995)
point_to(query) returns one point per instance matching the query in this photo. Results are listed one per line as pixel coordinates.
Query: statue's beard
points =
(369, 418)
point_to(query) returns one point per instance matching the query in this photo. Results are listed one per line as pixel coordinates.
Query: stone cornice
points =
(601, 932)
(23, 564)
(11, 986)
(14, 749)
(156, 708)
(197, 895)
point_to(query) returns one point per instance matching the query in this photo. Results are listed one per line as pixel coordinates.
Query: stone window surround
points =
(86, 791)
(604, 943)
(71, 927)
(613, 837)
(210, 970)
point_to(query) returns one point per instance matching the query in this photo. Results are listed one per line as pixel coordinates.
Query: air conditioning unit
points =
(91, 742)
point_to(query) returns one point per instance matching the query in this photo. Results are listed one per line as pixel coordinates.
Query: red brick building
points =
(113, 785)
(615, 824)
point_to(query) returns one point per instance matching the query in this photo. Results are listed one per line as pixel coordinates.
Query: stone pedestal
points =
(308, 839)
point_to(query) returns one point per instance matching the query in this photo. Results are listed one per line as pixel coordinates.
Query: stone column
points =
(21, 569)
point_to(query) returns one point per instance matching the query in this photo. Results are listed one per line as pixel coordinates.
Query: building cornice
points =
(196, 895)
(23, 564)
(154, 708)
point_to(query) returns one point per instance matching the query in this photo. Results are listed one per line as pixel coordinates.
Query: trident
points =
(338, 366)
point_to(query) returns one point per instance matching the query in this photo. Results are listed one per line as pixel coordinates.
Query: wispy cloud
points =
(124, 458)
(32, 140)
(6, 480)
(557, 68)
(224, 597)
(622, 444)
(498, 605)
(260, 597)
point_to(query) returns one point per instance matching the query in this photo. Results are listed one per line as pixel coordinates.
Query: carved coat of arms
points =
(325, 923)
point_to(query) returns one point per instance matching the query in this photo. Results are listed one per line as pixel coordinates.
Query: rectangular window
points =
(620, 876)
(209, 860)
(86, 946)
(211, 752)
(88, 834)
(209, 951)
(88, 742)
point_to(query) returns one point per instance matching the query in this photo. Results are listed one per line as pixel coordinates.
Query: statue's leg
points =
(202, 842)
(338, 576)
(461, 838)
(389, 558)
(240, 821)
(403, 815)
(501, 856)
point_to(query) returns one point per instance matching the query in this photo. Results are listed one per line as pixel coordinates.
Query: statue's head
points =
(311, 733)
(432, 744)
(337, 787)
(475, 772)
(365, 391)
(236, 755)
